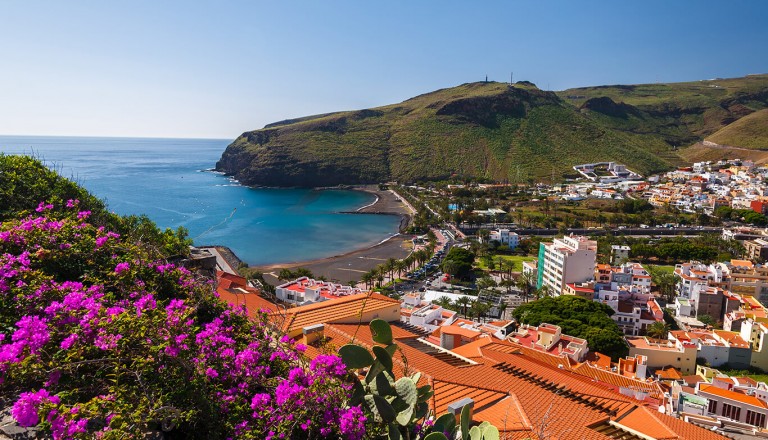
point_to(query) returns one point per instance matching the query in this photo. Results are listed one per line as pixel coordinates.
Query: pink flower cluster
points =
(119, 314)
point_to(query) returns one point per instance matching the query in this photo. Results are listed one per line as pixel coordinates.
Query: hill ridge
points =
(496, 131)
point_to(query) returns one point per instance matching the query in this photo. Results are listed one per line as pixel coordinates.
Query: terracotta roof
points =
(336, 310)
(669, 373)
(459, 330)
(733, 395)
(234, 290)
(520, 390)
(599, 360)
(640, 419)
(472, 349)
(619, 381)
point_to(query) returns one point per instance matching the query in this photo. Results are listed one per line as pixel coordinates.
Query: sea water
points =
(169, 181)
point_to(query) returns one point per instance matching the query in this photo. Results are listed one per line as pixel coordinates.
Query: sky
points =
(215, 69)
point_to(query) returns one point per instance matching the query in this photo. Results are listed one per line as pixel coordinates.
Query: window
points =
(755, 418)
(712, 407)
(732, 412)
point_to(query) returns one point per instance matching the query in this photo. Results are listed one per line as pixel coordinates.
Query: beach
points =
(352, 265)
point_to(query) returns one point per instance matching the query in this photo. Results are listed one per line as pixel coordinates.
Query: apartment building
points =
(678, 352)
(305, 290)
(566, 260)
(505, 237)
(730, 400)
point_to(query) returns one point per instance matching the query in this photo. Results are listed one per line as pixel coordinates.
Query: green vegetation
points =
(496, 262)
(754, 373)
(751, 131)
(493, 131)
(706, 248)
(577, 317)
(458, 262)
(25, 182)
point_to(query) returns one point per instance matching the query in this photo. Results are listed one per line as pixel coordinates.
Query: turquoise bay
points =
(165, 179)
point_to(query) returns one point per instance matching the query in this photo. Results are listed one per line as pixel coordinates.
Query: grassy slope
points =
(537, 133)
(751, 131)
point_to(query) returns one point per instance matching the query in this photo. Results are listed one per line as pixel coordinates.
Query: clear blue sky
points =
(216, 69)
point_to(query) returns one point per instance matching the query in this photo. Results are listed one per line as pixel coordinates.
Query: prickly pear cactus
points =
(400, 405)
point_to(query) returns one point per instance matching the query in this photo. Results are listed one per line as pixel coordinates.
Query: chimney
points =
(312, 333)
(456, 407)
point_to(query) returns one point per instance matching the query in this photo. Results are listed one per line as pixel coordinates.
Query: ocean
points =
(166, 179)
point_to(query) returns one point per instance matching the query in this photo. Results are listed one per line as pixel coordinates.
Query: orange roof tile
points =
(335, 310)
(640, 419)
(733, 395)
(459, 330)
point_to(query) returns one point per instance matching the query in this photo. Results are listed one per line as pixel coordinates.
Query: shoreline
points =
(349, 266)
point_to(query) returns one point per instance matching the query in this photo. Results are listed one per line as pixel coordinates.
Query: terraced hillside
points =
(492, 130)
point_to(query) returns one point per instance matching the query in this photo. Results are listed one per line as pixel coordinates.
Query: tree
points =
(707, 320)
(443, 301)
(657, 330)
(577, 317)
(526, 285)
(285, 274)
(461, 304)
(666, 283)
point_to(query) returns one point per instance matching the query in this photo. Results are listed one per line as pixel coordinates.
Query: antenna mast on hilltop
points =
(486, 78)
(511, 77)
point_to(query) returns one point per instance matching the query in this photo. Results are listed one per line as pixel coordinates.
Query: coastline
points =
(350, 266)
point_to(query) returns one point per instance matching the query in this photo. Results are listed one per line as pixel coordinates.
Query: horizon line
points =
(118, 137)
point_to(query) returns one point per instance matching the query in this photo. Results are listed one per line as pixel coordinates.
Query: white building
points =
(505, 236)
(566, 260)
(307, 291)
(619, 254)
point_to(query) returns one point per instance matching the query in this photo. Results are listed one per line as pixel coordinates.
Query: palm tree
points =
(657, 330)
(400, 266)
(525, 284)
(443, 302)
(502, 310)
(367, 278)
(462, 304)
(390, 266)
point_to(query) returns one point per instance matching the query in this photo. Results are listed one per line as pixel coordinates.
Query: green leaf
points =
(374, 371)
(423, 398)
(445, 423)
(381, 331)
(436, 436)
(416, 378)
(465, 420)
(355, 356)
(379, 405)
(391, 349)
(381, 385)
(491, 433)
(475, 433)
(404, 416)
(422, 408)
(383, 357)
(358, 392)
(394, 432)
(406, 389)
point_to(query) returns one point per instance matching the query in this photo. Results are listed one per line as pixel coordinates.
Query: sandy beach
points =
(352, 265)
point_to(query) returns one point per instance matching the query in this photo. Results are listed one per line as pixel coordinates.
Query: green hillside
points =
(497, 131)
(751, 131)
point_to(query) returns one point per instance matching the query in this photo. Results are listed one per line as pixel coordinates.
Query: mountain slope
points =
(751, 131)
(491, 130)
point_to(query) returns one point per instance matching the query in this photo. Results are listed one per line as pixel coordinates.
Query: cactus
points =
(400, 405)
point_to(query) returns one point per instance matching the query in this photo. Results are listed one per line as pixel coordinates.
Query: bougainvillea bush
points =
(100, 337)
